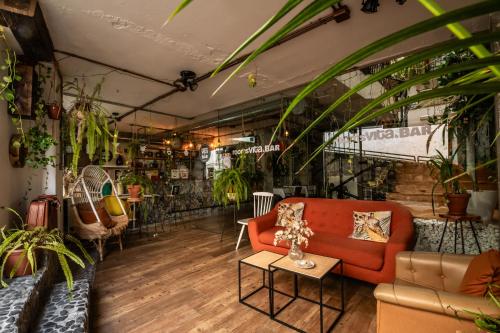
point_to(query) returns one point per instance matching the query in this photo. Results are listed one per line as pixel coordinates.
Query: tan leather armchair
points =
(424, 296)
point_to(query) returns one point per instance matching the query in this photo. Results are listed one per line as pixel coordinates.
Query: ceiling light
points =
(187, 80)
(370, 6)
(341, 12)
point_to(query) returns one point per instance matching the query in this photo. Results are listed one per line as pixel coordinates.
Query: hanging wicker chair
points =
(88, 190)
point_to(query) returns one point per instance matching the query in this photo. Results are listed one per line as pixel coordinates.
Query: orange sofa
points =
(332, 222)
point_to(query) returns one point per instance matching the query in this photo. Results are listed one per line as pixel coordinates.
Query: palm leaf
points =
(313, 9)
(464, 13)
(471, 89)
(177, 10)
(289, 6)
(416, 58)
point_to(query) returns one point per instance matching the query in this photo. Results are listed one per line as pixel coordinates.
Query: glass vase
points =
(295, 253)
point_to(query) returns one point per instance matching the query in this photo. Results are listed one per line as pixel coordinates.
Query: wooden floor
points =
(185, 280)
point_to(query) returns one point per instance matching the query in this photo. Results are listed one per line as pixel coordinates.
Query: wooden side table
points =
(460, 219)
(323, 268)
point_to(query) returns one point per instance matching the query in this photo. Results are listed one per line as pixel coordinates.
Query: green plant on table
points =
(33, 241)
(88, 119)
(132, 178)
(443, 169)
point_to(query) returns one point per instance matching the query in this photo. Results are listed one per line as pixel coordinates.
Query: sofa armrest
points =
(432, 270)
(442, 302)
(401, 240)
(263, 222)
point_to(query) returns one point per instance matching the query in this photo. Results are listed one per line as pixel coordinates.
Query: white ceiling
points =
(129, 34)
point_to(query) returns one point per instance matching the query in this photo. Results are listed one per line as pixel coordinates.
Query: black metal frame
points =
(461, 234)
(243, 299)
(296, 295)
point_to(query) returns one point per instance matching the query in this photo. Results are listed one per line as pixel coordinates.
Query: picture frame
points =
(25, 92)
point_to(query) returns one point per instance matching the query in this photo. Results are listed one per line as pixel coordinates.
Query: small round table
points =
(460, 219)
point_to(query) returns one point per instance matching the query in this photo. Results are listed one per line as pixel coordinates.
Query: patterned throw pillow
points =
(372, 226)
(289, 212)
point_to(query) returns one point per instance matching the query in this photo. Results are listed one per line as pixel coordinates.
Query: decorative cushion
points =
(111, 202)
(289, 212)
(372, 226)
(483, 272)
(88, 217)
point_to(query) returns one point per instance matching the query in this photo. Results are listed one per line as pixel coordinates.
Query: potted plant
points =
(136, 184)
(20, 248)
(230, 185)
(88, 119)
(444, 170)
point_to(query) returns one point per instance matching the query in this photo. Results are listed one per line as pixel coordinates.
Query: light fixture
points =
(370, 6)
(190, 145)
(286, 133)
(341, 12)
(187, 80)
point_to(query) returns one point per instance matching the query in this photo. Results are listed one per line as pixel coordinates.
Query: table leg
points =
(455, 244)
(342, 285)
(295, 285)
(475, 236)
(271, 294)
(239, 281)
(442, 236)
(462, 234)
(321, 305)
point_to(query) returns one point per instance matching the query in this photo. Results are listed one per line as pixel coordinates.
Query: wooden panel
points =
(262, 259)
(323, 265)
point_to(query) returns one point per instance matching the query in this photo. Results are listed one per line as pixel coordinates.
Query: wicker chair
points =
(88, 190)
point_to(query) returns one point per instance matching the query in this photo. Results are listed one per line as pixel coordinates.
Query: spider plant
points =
(230, 185)
(30, 242)
(482, 79)
(88, 119)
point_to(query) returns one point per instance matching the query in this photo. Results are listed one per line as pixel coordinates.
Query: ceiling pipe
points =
(120, 69)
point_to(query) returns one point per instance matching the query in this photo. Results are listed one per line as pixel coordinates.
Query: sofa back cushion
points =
(335, 216)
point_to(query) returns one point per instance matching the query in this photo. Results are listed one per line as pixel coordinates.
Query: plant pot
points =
(133, 191)
(23, 269)
(54, 111)
(457, 203)
(231, 196)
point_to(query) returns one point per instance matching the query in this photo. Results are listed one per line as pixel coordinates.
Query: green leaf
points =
(408, 61)
(313, 9)
(181, 6)
(289, 6)
(481, 8)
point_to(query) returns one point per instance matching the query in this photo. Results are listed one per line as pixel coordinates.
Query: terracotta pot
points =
(457, 203)
(54, 111)
(23, 269)
(133, 191)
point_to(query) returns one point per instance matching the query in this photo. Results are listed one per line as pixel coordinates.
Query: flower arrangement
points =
(295, 231)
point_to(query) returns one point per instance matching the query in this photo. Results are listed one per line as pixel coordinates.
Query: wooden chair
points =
(262, 202)
(88, 190)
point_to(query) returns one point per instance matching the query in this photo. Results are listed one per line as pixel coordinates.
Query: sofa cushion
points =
(289, 212)
(369, 255)
(372, 226)
(482, 274)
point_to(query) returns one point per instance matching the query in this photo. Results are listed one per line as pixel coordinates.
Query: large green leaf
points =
(471, 89)
(183, 4)
(464, 13)
(289, 6)
(313, 9)
(408, 61)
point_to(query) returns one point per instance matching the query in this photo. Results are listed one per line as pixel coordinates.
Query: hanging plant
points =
(38, 139)
(88, 119)
(7, 90)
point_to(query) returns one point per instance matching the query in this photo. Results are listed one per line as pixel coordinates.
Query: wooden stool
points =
(459, 219)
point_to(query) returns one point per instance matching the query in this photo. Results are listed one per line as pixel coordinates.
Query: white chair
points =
(262, 202)
(88, 191)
